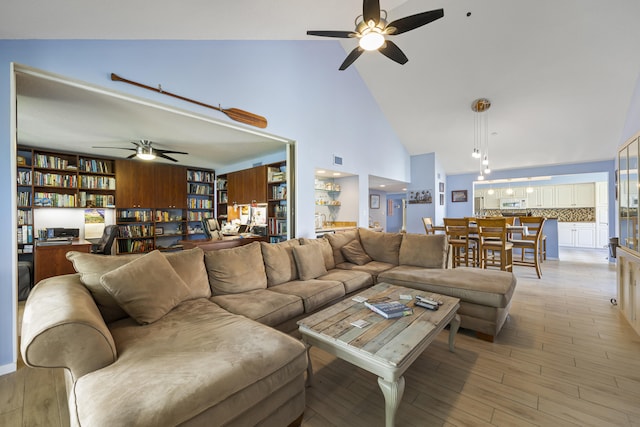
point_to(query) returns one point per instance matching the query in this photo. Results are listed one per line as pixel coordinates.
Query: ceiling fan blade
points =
(411, 22)
(355, 54)
(337, 34)
(132, 156)
(116, 148)
(393, 52)
(170, 152)
(371, 11)
(164, 156)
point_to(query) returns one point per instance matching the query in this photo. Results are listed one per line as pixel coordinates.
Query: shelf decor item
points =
(459, 196)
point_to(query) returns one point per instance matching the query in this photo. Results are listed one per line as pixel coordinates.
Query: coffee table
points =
(386, 347)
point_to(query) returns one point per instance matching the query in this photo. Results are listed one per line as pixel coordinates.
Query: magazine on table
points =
(390, 309)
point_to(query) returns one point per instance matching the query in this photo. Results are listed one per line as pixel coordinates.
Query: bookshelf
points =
(200, 200)
(277, 221)
(222, 199)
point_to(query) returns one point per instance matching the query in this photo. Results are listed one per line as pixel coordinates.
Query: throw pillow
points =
(354, 253)
(424, 251)
(147, 288)
(91, 267)
(338, 240)
(278, 261)
(236, 270)
(309, 261)
(189, 264)
(327, 251)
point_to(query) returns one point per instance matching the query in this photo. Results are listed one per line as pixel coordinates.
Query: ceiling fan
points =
(144, 150)
(372, 27)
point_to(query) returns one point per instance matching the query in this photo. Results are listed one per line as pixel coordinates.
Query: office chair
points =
(106, 241)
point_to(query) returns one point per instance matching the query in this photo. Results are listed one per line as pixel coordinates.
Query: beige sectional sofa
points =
(196, 338)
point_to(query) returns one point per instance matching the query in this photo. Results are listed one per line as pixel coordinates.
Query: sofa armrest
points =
(62, 328)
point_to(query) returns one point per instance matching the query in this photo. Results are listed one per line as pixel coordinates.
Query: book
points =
(390, 309)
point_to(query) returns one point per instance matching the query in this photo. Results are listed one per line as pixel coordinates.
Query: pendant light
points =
(481, 134)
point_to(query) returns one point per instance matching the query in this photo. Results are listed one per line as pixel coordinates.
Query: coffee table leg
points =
(392, 391)
(309, 366)
(453, 330)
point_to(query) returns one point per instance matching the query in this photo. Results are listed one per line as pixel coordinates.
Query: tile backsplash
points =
(562, 214)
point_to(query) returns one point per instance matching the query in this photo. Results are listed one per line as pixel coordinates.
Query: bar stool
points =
(531, 240)
(457, 231)
(495, 249)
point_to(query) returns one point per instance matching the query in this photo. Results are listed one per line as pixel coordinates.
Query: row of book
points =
(201, 176)
(202, 189)
(89, 200)
(24, 177)
(135, 215)
(55, 180)
(24, 198)
(52, 162)
(98, 182)
(54, 200)
(93, 165)
(193, 203)
(275, 174)
(25, 217)
(221, 184)
(25, 234)
(277, 226)
(279, 192)
(127, 231)
(197, 216)
(280, 211)
(135, 246)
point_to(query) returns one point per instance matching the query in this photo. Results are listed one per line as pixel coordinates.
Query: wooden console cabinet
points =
(52, 261)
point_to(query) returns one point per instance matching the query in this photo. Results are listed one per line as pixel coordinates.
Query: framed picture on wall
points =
(441, 187)
(374, 201)
(442, 199)
(459, 196)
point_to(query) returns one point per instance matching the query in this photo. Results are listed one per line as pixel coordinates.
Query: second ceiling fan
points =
(372, 29)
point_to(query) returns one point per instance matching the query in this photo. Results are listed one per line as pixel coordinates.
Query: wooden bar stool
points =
(531, 240)
(457, 231)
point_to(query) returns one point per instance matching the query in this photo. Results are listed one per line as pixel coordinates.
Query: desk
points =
(51, 260)
(212, 245)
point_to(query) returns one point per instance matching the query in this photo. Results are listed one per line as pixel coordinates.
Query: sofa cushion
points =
(373, 268)
(262, 305)
(236, 270)
(314, 293)
(189, 264)
(91, 267)
(424, 251)
(146, 288)
(279, 263)
(354, 253)
(327, 251)
(492, 288)
(338, 240)
(197, 358)
(309, 261)
(352, 280)
(383, 247)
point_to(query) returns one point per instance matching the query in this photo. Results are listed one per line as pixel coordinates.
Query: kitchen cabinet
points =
(575, 196)
(491, 201)
(541, 197)
(577, 234)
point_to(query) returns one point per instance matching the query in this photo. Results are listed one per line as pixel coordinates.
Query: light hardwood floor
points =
(566, 357)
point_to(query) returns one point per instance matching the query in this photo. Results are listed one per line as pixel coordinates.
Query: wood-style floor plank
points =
(565, 357)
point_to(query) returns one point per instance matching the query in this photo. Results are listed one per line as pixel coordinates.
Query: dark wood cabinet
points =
(135, 184)
(247, 186)
(170, 186)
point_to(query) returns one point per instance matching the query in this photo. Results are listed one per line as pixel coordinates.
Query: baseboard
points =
(8, 368)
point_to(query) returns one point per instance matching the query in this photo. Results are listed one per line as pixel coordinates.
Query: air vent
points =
(337, 160)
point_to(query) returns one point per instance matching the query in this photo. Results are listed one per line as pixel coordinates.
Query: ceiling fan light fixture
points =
(145, 153)
(372, 40)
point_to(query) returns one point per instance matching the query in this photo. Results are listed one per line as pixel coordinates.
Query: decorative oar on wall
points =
(233, 113)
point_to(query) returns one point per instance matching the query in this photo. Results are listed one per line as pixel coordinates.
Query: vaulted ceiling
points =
(560, 74)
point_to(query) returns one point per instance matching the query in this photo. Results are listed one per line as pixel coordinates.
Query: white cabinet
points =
(577, 234)
(541, 197)
(575, 196)
(491, 201)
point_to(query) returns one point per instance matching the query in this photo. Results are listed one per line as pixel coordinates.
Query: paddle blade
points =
(412, 22)
(336, 34)
(393, 52)
(245, 117)
(371, 11)
(355, 54)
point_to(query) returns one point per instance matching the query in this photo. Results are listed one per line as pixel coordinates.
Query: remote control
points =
(427, 300)
(427, 306)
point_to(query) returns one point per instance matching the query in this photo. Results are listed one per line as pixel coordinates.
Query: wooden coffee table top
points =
(391, 342)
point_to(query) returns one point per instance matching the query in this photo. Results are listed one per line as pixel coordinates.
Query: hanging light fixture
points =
(481, 134)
